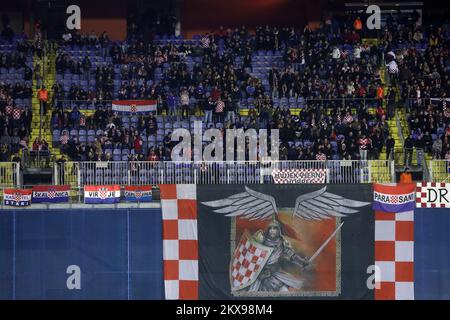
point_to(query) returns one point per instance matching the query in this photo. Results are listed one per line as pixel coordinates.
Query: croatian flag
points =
(138, 193)
(394, 241)
(134, 106)
(394, 198)
(17, 197)
(51, 194)
(101, 194)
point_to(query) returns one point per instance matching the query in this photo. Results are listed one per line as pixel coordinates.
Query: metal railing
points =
(439, 170)
(78, 174)
(419, 104)
(244, 103)
(10, 174)
(37, 159)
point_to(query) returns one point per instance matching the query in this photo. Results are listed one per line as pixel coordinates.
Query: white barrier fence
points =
(78, 174)
(439, 170)
(9, 174)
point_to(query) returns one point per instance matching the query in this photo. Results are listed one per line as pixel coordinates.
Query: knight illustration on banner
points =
(272, 277)
(264, 261)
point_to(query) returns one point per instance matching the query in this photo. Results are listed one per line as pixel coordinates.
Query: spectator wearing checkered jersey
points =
(365, 144)
(219, 110)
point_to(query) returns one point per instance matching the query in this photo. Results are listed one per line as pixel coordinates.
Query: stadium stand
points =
(16, 68)
(262, 80)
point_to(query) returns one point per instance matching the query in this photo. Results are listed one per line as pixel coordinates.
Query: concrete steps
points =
(49, 81)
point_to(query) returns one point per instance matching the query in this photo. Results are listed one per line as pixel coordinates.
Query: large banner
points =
(17, 197)
(297, 176)
(101, 194)
(51, 194)
(271, 241)
(134, 106)
(433, 195)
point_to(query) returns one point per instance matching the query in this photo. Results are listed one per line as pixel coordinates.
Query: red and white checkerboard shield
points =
(138, 194)
(133, 108)
(17, 196)
(248, 260)
(103, 193)
(51, 193)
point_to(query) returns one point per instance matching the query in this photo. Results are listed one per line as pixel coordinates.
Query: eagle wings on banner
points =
(255, 263)
(317, 205)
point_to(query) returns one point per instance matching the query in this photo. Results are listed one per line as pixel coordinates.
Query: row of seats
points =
(12, 76)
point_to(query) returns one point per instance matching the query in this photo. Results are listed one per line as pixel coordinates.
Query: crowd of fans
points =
(214, 75)
(15, 100)
(329, 68)
(422, 54)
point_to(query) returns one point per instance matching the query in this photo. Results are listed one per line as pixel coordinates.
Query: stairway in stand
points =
(47, 61)
(394, 129)
(51, 79)
(35, 107)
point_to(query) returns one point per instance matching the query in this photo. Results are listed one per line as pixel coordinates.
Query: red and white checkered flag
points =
(180, 240)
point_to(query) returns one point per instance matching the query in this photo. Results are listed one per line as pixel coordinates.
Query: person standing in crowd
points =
(391, 102)
(390, 144)
(406, 176)
(209, 107)
(364, 145)
(230, 110)
(380, 95)
(220, 107)
(184, 99)
(420, 145)
(43, 98)
(357, 25)
(437, 149)
(172, 104)
(409, 148)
